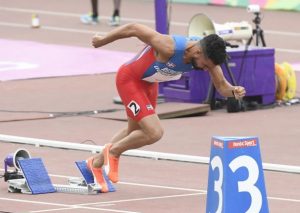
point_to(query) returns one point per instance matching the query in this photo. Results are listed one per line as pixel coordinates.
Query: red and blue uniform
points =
(137, 80)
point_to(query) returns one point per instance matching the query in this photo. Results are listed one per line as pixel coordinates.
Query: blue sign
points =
(236, 179)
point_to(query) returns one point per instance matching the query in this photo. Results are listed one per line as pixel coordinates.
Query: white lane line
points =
(77, 15)
(142, 185)
(284, 199)
(273, 32)
(37, 202)
(286, 50)
(163, 187)
(8, 24)
(143, 199)
(62, 209)
(50, 210)
(170, 196)
(64, 205)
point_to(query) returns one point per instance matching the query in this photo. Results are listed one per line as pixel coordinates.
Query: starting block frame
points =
(18, 186)
(37, 181)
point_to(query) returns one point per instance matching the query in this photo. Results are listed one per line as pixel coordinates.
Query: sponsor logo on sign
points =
(242, 144)
(218, 144)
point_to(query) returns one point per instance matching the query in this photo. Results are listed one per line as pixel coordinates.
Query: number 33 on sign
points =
(236, 180)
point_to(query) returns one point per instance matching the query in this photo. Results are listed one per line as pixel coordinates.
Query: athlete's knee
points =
(155, 135)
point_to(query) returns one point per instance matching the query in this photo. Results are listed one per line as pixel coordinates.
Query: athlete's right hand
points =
(97, 41)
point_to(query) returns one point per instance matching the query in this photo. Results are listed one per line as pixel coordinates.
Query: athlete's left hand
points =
(97, 41)
(239, 92)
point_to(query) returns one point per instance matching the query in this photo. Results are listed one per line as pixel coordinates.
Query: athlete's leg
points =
(150, 132)
(144, 128)
(131, 126)
(94, 8)
(115, 18)
(117, 5)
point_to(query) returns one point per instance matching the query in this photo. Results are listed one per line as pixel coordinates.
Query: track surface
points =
(146, 185)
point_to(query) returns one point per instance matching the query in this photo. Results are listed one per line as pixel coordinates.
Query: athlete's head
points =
(212, 52)
(214, 48)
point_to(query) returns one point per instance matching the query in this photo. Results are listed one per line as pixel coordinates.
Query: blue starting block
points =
(236, 178)
(88, 176)
(85, 172)
(36, 179)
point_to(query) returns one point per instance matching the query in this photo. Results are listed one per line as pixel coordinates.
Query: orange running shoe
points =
(111, 164)
(97, 173)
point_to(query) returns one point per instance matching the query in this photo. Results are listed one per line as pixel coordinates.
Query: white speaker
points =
(201, 25)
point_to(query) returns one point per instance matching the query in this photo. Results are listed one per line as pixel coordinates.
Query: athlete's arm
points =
(223, 86)
(163, 44)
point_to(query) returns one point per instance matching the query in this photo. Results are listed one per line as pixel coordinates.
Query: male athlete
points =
(164, 58)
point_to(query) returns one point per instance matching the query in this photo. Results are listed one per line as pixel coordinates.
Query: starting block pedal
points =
(36, 179)
(85, 184)
(88, 178)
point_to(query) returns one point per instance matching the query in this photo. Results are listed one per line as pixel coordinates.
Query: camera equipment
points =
(253, 8)
(257, 32)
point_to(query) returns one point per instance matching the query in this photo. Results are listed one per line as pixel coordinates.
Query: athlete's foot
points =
(89, 19)
(114, 21)
(111, 164)
(97, 174)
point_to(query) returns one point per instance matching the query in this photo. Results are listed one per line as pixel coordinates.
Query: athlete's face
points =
(201, 62)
